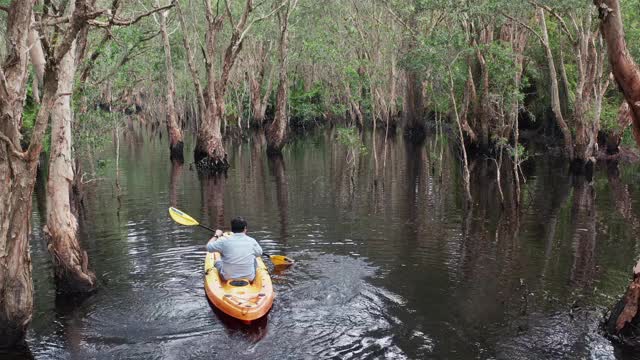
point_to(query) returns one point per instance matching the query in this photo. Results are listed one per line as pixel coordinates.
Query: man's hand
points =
(217, 234)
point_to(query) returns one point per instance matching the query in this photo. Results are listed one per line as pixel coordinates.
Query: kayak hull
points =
(238, 298)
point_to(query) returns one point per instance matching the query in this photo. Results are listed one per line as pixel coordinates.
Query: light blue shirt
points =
(239, 253)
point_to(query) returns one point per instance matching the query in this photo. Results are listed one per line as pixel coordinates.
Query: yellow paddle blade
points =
(182, 218)
(279, 260)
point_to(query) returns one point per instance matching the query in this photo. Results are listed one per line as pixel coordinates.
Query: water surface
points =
(390, 261)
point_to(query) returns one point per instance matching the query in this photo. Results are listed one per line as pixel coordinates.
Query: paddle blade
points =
(182, 218)
(281, 260)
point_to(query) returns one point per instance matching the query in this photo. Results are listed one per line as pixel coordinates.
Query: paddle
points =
(184, 219)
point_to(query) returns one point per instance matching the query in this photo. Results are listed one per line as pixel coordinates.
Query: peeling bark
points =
(414, 108)
(277, 131)
(17, 179)
(555, 94)
(627, 75)
(260, 101)
(70, 261)
(624, 69)
(209, 153)
(176, 144)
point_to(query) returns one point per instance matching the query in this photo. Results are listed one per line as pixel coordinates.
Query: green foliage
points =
(351, 139)
(306, 106)
(629, 9)
(628, 139)
(609, 115)
(520, 151)
(29, 114)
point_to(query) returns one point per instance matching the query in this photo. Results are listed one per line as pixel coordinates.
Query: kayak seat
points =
(238, 282)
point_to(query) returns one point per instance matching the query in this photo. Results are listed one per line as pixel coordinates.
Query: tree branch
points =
(563, 25)
(527, 27)
(228, 9)
(115, 21)
(12, 146)
(246, 30)
(402, 22)
(3, 82)
(65, 19)
(190, 59)
(42, 120)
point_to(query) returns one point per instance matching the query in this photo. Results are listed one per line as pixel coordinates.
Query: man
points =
(238, 252)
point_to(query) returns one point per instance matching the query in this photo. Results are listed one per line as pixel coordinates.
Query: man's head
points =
(238, 225)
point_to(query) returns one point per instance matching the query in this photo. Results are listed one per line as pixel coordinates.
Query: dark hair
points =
(238, 224)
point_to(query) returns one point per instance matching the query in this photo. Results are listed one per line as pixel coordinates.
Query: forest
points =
(500, 82)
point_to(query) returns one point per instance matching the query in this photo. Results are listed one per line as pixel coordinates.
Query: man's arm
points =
(257, 250)
(214, 245)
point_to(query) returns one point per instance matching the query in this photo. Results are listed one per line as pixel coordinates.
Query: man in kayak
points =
(238, 252)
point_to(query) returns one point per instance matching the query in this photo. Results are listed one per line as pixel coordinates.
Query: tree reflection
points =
(415, 180)
(174, 180)
(212, 191)
(583, 229)
(276, 166)
(621, 195)
(490, 248)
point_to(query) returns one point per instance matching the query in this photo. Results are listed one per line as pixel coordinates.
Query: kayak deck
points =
(237, 297)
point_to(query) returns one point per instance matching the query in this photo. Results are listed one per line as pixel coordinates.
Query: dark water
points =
(388, 266)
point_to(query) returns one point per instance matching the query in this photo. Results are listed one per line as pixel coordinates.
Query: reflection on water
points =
(390, 261)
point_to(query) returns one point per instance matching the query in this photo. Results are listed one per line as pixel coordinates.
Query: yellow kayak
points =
(239, 298)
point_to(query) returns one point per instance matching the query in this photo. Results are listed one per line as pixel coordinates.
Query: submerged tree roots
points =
(622, 326)
(212, 166)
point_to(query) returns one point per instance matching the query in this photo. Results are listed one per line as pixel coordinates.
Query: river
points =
(390, 261)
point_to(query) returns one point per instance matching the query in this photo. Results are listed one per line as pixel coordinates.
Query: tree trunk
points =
(209, 153)
(37, 59)
(414, 111)
(627, 76)
(278, 130)
(176, 144)
(623, 67)
(590, 90)
(555, 93)
(485, 113)
(36, 53)
(70, 261)
(16, 286)
(393, 96)
(614, 137)
(259, 101)
(18, 171)
(469, 96)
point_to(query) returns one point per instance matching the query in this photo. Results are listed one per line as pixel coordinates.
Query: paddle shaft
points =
(206, 227)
